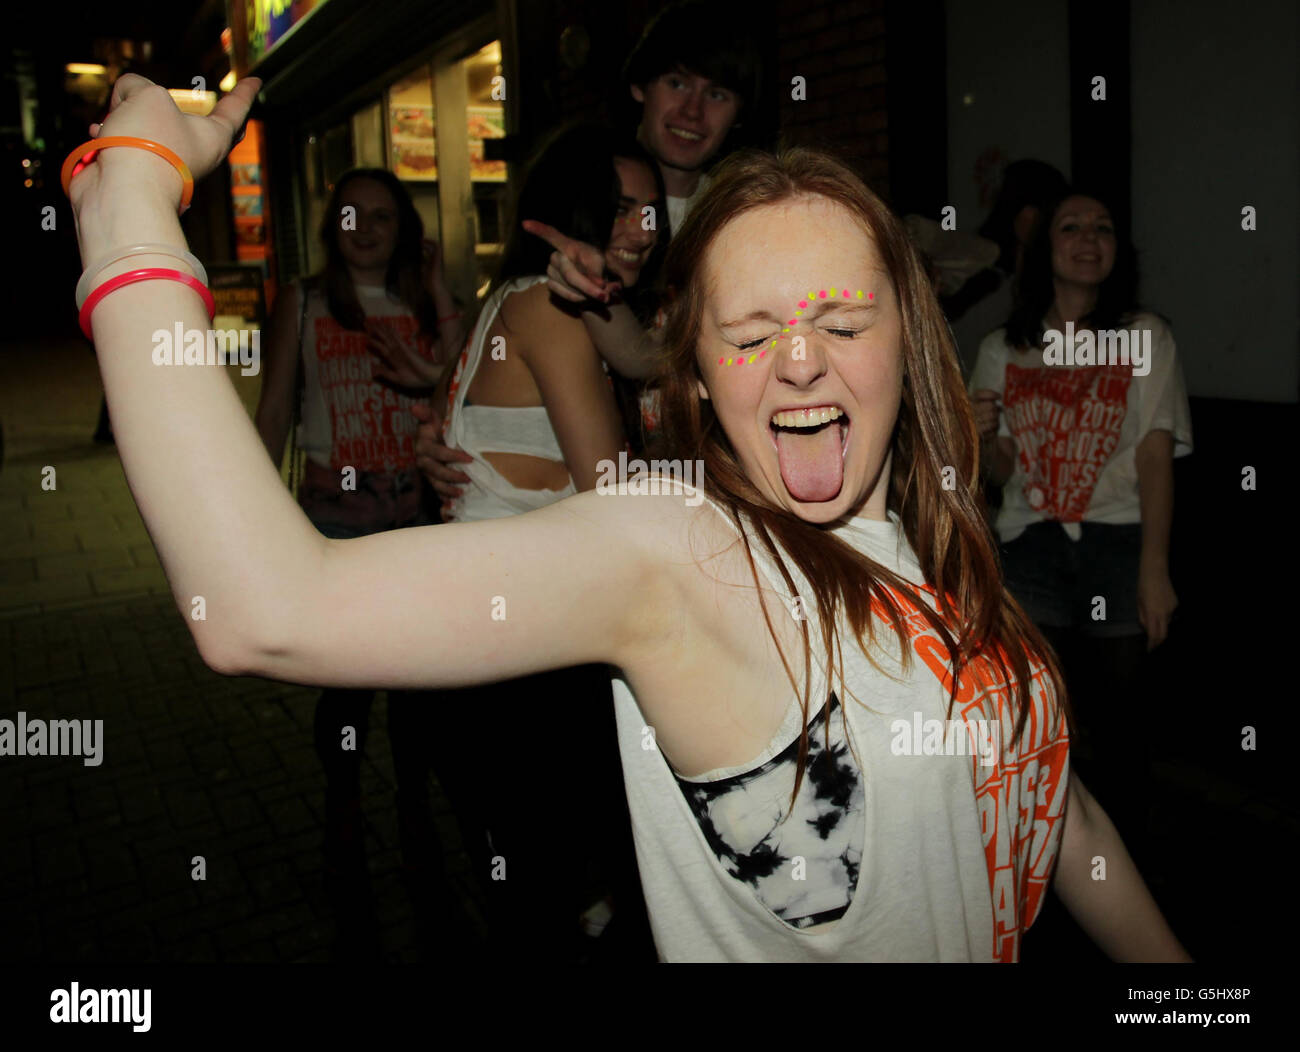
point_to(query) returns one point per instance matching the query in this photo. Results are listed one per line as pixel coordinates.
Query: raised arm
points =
(445, 605)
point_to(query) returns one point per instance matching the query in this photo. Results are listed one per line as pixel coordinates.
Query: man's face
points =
(686, 118)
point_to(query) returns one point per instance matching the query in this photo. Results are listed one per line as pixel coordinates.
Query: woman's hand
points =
(435, 459)
(985, 405)
(402, 362)
(143, 109)
(1156, 604)
(575, 268)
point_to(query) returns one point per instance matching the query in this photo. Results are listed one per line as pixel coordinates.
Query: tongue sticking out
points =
(812, 462)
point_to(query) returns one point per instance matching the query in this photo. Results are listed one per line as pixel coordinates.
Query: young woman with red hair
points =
(882, 776)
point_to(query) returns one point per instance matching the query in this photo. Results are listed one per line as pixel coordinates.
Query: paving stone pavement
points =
(96, 862)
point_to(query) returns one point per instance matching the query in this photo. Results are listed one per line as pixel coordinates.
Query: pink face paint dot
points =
(761, 355)
(871, 295)
(803, 303)
(719, 361)
(821, 295)
(846, 293)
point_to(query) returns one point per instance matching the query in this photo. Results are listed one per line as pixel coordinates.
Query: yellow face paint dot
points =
(785, 330)
(728, 361)
(859, 294)
(751, 358)
(797, 313)
(832, 292)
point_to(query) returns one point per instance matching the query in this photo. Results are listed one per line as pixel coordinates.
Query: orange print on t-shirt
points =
(1020, 798)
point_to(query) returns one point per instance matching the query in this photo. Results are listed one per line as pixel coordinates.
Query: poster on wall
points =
(485, 122)
(412, 135)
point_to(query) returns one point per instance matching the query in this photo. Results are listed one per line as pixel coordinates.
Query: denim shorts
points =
(1058, 581)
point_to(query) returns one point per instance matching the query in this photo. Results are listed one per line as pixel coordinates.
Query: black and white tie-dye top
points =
(759, 839)
(913, 851)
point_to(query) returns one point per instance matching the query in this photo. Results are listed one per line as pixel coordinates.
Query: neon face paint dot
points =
(821, 295)
(871, 295)
(719, 361)
(751, 358)
(832, 292)
(803, 303)
(846, 293)
(761, 353)
(859, 294)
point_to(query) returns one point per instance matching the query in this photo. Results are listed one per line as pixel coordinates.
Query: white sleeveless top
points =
(497, 429)
(958, 848)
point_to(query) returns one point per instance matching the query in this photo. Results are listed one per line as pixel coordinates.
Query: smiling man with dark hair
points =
(692, 75)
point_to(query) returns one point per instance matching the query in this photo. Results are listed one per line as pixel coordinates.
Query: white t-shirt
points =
(1077, 428)
(957, 852)
(347, 417)
(680, 207)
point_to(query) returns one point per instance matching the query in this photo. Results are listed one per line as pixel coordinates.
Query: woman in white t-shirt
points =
(334, 340)
(1081, 410)
(835, 561)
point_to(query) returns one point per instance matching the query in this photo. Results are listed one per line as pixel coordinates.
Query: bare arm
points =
(631, 350)
(451, 323)
(1157, 600)
(574, 389)
(445, 605)
(1118, 913)
(274, 414)
(1001, 460)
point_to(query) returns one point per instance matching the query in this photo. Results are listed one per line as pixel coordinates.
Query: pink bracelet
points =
(145, 274)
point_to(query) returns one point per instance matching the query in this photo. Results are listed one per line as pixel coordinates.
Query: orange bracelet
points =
(86, 150)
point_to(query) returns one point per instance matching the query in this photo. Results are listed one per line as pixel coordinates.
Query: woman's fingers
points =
(547, 233)
(232, 110)
(556, 283)
(578, 263)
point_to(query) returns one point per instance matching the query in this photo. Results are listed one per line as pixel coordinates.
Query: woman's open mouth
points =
(811, 444)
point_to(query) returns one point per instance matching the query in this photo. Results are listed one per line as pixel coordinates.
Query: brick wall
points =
(838, 47)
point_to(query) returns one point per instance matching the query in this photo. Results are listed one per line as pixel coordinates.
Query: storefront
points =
(419, 89)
